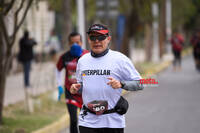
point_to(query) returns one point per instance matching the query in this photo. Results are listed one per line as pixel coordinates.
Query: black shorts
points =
(53, 52)
(100, 130)
(177, 54)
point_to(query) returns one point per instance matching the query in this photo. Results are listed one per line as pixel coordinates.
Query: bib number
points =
(98, 107)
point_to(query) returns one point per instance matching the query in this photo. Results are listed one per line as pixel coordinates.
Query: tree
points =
(138, 16)
(146, 17)
(9, 10)
(194, 18)
(132, 23)
(182, 10)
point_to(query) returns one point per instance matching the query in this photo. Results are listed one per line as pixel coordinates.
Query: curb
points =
(63, 122)
(56, 126)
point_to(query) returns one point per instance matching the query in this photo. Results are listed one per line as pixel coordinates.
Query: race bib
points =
(98, 107)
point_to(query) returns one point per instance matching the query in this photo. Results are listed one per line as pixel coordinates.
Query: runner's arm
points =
(58, 77)
(133, 85)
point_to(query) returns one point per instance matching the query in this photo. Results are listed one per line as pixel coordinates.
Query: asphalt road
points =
(171, 107)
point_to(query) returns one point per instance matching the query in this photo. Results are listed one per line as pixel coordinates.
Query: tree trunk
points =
(2, 74)
(162, 28)
(2, 90)
(67, 24)
(148, 41)
(131, 27)
(5, 60)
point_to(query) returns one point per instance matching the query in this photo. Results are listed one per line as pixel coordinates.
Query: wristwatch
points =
(122, 83)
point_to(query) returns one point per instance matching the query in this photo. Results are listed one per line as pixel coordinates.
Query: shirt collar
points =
(99, 55)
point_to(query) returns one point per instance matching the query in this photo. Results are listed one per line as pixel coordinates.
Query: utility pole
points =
(168, 24)
(81, 21)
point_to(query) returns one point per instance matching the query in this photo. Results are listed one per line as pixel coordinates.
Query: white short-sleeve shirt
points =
(93, 73)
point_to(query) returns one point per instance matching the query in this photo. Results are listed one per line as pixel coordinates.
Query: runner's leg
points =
(88, 130)
(72, 109)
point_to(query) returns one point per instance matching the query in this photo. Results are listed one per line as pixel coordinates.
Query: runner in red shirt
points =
(68, 61)
(177, 41)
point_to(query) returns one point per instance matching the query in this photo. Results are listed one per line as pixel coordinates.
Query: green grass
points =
(17, 118)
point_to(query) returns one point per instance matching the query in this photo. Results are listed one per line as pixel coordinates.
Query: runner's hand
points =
(115, 84)
(74, 88)
(60, 92)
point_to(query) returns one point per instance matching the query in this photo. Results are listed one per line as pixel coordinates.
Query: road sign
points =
(107, 8)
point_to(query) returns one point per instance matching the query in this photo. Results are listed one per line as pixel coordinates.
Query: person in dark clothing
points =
(26, 55)
(177, 41)
(195, 41)
(68, 61)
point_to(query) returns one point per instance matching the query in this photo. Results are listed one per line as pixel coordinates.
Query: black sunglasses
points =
(99, 38)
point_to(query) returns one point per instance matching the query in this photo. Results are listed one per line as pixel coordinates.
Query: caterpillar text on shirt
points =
(95, 72)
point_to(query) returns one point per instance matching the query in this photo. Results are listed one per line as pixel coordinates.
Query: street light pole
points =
(81, 20)
(155, 12)
(168, 24)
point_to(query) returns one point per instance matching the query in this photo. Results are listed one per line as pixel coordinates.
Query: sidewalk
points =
(42, 79)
